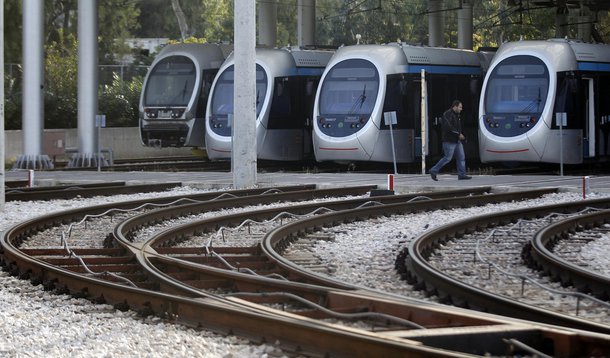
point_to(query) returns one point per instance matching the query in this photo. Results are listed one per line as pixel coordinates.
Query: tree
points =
(60, 83)
(182, 24)
(119, 101)
(116, 20)
(338, 21)
(160, 18)
(12, 31)
(217, 20)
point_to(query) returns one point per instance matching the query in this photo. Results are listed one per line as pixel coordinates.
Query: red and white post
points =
(585, 186)
(391, 182)
(30, 178)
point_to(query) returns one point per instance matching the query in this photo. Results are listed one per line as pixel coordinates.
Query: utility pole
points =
(184, 27)
(2, 150)
(244, 153)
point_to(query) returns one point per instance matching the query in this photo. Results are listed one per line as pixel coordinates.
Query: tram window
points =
(222, 99)
(604, 88)
(350, 87)
(354, 73)
(567, 100)
(348, 98)
(228, 75)
(280, 104)
(396, 95)
(261, 88)
(520, 70)
(516, 95)
(518, 84)
(393, 96)
(171, 82)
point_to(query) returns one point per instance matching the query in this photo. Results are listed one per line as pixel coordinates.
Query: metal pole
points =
(33, 81)
(393, 147)
(435, 23)
(465, 26)
(306, 22)
(2, 150)
(389, 119)
(560, 119)
(424, 130)
(87, 79)
(98, 123)
(267, 23)
(244, 153)
(561, 149)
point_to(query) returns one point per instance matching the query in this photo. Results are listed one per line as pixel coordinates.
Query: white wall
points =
(124, 143)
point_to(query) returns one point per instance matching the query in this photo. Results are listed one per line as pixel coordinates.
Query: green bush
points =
(120, 102)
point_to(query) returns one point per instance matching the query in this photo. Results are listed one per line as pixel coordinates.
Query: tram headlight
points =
(177, 113)
(151, 113)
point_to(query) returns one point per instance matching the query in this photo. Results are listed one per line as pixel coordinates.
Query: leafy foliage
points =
(338, 22)
(217, 20)
(12, 99)
(60, 84)
(119, 102)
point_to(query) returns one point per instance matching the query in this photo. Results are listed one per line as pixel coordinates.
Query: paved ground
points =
(402, 182)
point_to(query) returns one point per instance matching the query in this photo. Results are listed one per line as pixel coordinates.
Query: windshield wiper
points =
(535, 104)
(184, 90)
(360, 99)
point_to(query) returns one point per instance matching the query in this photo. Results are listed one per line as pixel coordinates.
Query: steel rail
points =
(84, 191)
(254, 323)
(124, 230)
(156, 251)
(128, 226)
(420, 273)
(540, 256)
(16, 184)
(218, 316)
(277, 240)
(63, 187)
(263, 290)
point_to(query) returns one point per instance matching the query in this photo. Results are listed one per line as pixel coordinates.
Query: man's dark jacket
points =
(451, 126)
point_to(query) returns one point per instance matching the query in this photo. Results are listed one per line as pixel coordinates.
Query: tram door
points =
(589, 130)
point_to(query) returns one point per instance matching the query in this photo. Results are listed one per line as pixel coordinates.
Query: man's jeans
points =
(450, 149)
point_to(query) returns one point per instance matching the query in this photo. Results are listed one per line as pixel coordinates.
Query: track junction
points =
(190, 276)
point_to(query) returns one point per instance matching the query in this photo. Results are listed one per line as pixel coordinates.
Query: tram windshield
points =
(222, 97)
(171, 82)
(349, 88)
(518, 85)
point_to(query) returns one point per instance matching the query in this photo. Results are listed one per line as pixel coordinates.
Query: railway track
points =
(82, 190)
(464, 240)
(550, 251)
(16, 184)
(187, 273)
(202, 164)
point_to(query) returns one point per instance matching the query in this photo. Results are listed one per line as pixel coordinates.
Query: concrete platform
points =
(403, 183)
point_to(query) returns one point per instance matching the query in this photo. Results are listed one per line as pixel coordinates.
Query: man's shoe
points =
(464, 177)
(433, 176)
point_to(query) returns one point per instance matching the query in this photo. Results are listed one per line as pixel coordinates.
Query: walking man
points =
(452, 138)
